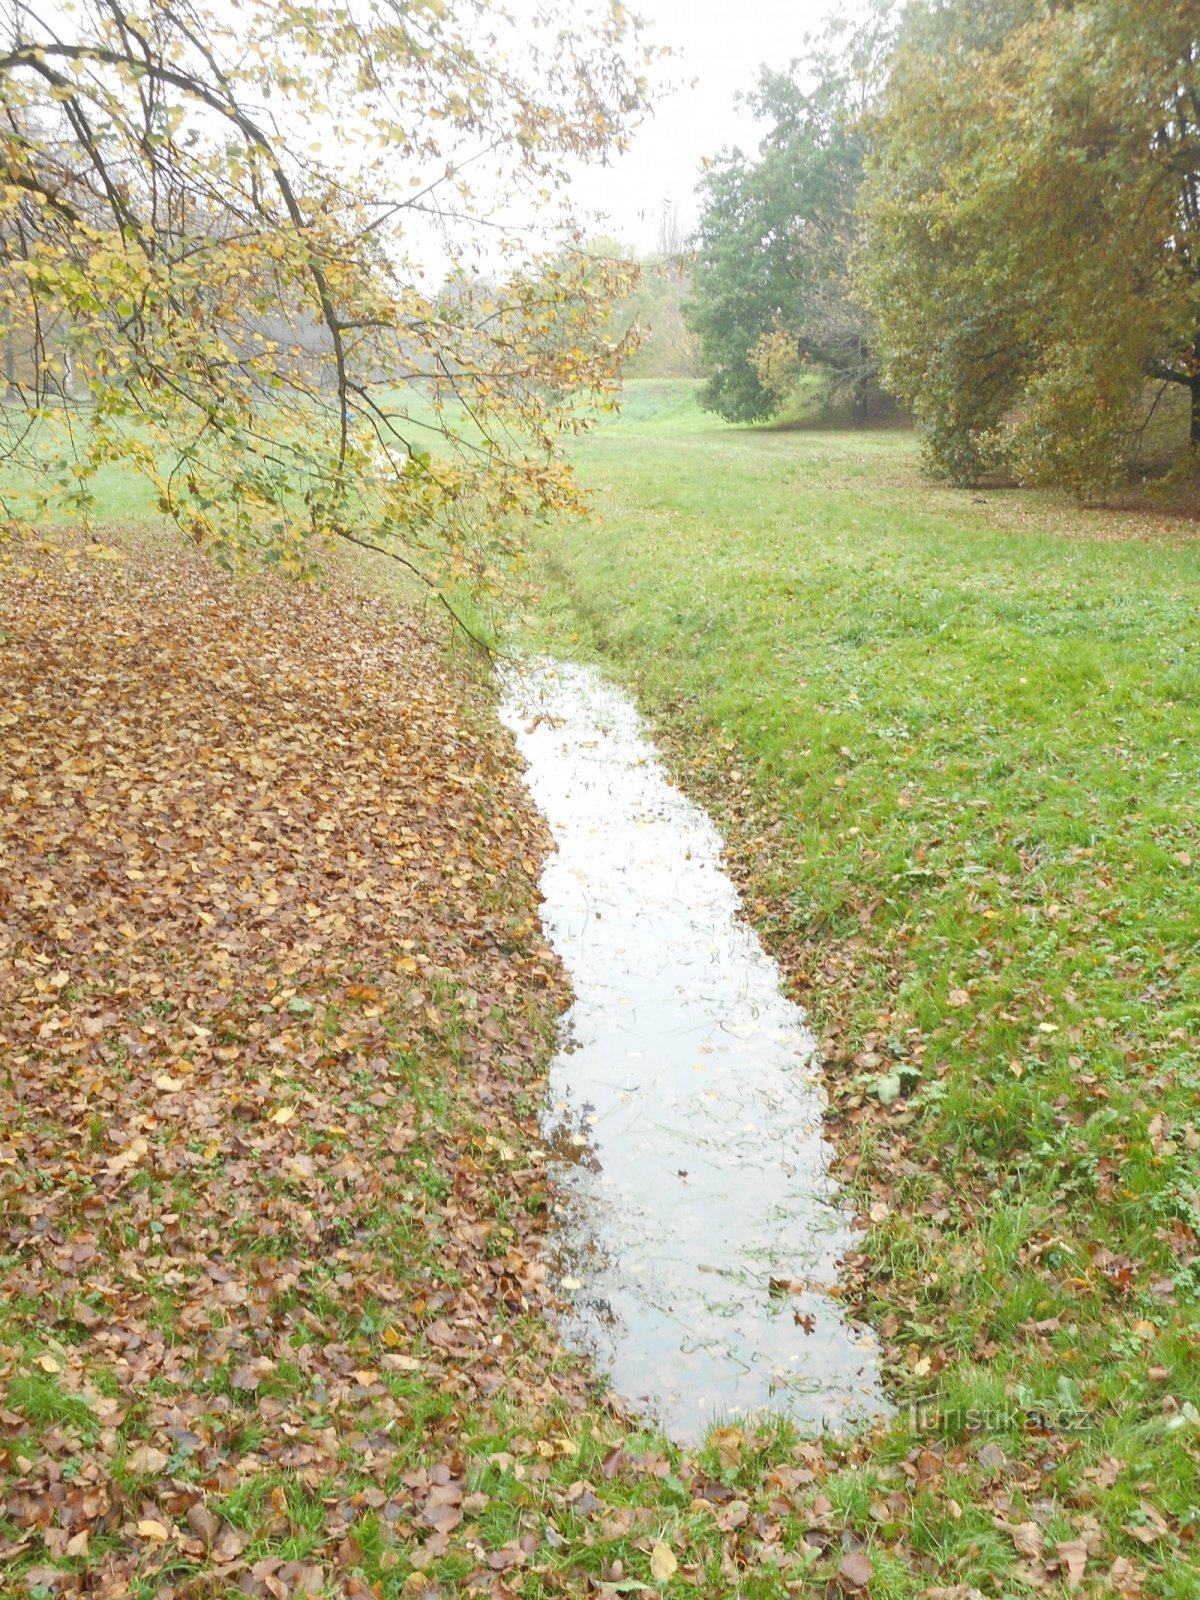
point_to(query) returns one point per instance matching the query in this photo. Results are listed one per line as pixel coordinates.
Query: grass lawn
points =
(273, 1013)
(952, 740)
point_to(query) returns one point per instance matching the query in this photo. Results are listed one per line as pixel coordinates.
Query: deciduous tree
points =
(1031, 218)
(770, 296)
(231, 221)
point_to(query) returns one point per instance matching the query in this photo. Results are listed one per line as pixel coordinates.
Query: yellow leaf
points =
(282, 1114)
(148, 1528)
(48, 1364)
(662, 1563)
(129, 1157)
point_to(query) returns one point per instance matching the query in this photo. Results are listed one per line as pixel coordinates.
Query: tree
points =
(770, 293)
(657, 305)
(250, 314)
(1031, 229)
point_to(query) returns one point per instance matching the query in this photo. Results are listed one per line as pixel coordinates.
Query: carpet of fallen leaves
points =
(272, 1003)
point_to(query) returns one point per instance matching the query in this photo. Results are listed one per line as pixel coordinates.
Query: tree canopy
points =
(221, 232)
(770, 291)
(1031, 229)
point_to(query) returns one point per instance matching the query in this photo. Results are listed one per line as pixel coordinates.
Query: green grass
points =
(952, 741)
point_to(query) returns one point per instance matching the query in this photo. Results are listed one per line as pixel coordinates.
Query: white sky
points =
(720, 44)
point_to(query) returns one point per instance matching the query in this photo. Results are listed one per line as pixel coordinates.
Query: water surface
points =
(697, 1231)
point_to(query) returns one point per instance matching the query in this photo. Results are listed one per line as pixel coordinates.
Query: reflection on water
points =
(698, 1228)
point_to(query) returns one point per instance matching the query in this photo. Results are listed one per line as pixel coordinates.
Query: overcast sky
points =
(721, 47)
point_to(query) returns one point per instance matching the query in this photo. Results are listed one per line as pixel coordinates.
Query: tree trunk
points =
(1194, 386)
(858, 403)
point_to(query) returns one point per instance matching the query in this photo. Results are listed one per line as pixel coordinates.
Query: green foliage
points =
(769, 295)
(648, 321)
(189, 285)
(1030, 228)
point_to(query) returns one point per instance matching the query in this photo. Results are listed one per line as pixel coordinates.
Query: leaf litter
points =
(273, 1000)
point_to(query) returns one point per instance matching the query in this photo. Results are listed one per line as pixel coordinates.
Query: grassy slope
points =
(952, 739)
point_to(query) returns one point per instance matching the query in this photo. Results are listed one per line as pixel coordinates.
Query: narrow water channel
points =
(697, 1228)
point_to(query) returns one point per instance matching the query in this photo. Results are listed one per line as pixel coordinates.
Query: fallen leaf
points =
(854, 1569)
(1026, 1536)
(202, 1522)
(663, 1564)
(1073, 1555)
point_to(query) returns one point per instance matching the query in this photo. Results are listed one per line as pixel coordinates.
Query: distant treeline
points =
(989, 207)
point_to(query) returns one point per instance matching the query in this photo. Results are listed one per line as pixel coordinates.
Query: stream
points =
(696, 1231)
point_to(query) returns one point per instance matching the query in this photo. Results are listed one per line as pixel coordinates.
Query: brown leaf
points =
(228, 1545)
(203, 1523)
(1026, 1536)
(1126, 1578)
(509, 1555)
(854, 1570)
(1073, 1555)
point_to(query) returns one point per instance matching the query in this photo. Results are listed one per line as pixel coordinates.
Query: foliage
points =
(658, 307)
(1030, 224)
(947, 744)
(770, 282)
(215, 301)
(651, 313)
(268, 956)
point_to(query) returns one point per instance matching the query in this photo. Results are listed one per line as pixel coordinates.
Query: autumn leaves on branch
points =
(219, 236)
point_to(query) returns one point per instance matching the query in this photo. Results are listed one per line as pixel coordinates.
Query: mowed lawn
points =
(953, 740)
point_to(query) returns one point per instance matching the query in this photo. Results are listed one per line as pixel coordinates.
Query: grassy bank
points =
(274, 1011)
(951, 738)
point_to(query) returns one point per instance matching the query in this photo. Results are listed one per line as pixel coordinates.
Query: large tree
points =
(221, 231)
(770, 295)
(1031, 228)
